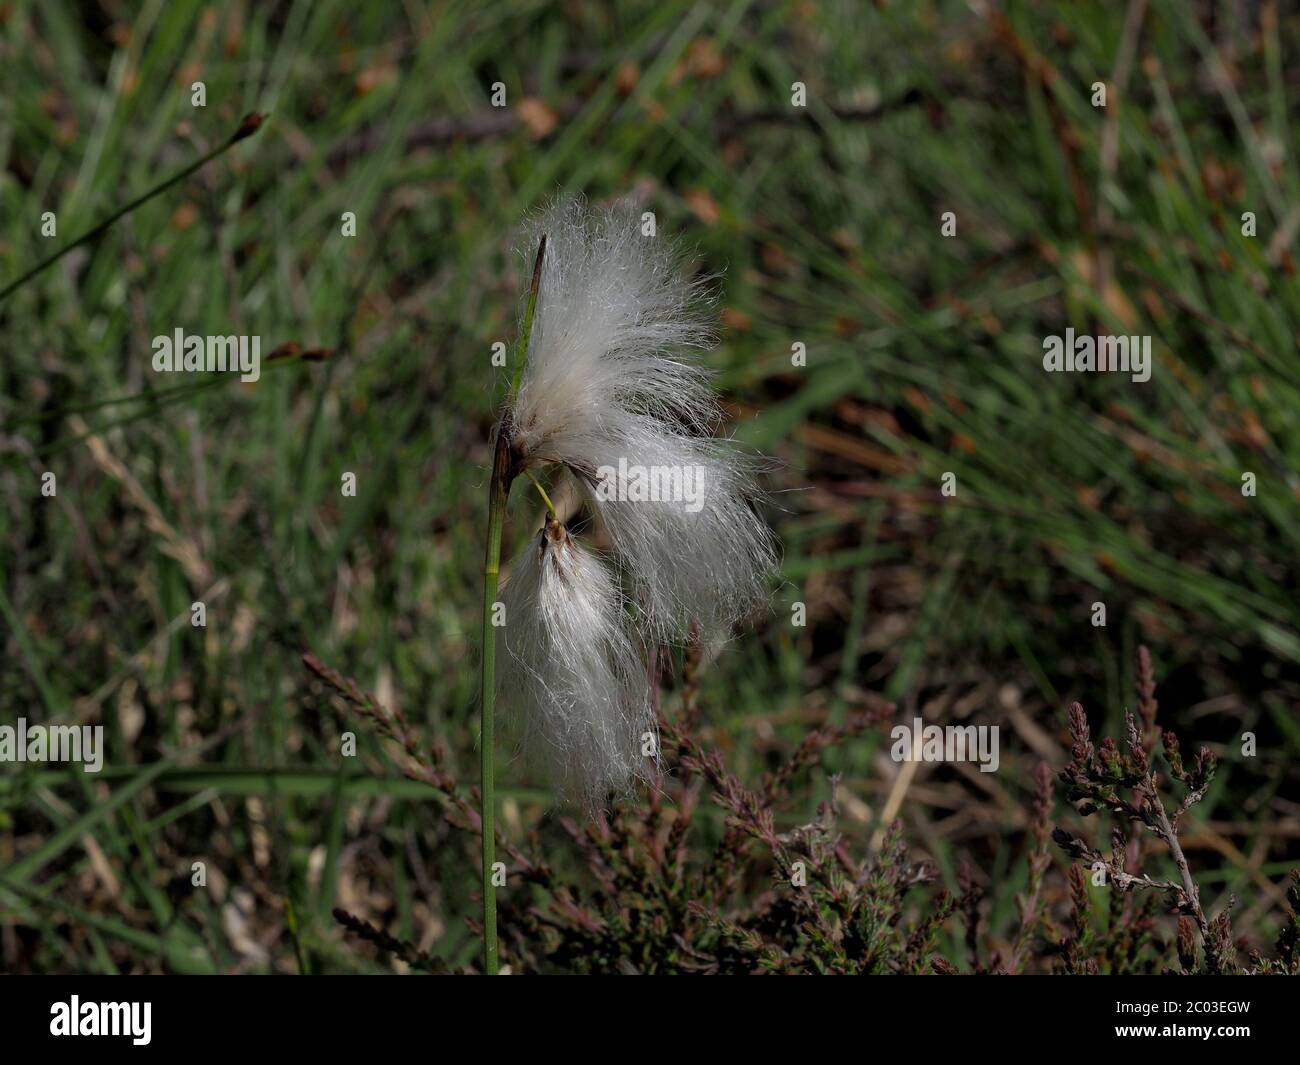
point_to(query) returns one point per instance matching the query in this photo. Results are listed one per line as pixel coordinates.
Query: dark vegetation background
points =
(924, 356)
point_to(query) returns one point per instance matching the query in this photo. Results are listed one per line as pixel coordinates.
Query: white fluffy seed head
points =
(612, 381)
(615, 313)
(571, 684)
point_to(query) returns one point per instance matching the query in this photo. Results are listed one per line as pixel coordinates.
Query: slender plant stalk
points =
(250, 125)
(503, 474)
(1167, 833)
(550, 507)
(497, 493)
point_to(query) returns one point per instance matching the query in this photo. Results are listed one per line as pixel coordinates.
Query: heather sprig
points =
(1125, 783)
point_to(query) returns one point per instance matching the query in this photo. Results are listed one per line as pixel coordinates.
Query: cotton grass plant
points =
(606, 379)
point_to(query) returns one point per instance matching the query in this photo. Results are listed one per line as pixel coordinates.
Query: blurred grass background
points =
(923, 357)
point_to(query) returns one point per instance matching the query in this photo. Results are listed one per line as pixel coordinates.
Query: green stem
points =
(247, 128)
(503, 474)
(498, 491)
(550, 507)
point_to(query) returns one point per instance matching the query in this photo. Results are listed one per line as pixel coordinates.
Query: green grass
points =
(924, 357)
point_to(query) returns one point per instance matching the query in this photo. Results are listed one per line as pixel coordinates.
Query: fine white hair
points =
(612, 374)
(572, 684)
